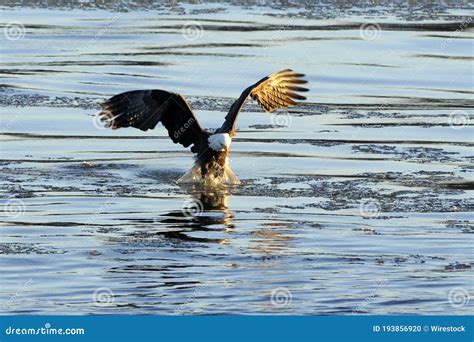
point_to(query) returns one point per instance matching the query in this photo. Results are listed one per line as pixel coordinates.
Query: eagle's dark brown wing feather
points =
(143, 109)
(278, 90)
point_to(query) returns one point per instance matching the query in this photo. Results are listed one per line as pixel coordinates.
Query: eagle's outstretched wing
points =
(143, 109)
(278, 90)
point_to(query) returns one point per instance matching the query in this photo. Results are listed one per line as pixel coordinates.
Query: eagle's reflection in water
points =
(205, 212)
(208, 206)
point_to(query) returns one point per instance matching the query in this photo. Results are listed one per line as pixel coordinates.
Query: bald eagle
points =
(143, 109)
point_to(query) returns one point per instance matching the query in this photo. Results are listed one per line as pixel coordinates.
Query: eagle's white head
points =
(219, 142)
